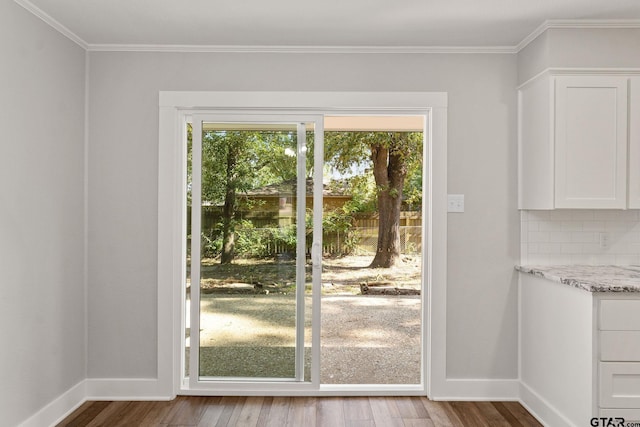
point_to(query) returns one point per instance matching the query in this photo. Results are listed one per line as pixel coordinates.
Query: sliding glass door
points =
(304, 253)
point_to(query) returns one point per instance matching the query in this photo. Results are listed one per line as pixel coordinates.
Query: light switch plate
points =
(455, 203)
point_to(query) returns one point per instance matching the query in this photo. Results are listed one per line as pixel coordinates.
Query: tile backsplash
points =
(580, 237)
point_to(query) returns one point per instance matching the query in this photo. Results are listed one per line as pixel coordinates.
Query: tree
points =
(391, 156)
(235, 161)
(232, 183)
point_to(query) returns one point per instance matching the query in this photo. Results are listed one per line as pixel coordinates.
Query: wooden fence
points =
(364, 233)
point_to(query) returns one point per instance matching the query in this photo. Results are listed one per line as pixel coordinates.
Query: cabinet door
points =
(634, 143)
(619, 385)
(591, 142)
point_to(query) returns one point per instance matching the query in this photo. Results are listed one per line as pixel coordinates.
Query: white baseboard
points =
(546, 413)
(151, 389)
(59, 408)
(478, 389)
(127, 389)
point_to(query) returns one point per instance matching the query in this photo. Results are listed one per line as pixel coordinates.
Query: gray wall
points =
(42, 296)
(534, 58)
(580, 48)
(610, 48)
(123, 154)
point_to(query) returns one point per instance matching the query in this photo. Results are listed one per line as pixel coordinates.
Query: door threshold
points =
(329, 390)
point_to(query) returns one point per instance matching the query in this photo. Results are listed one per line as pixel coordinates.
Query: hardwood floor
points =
(300, 412)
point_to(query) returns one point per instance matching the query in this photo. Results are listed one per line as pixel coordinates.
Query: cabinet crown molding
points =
(565, 71)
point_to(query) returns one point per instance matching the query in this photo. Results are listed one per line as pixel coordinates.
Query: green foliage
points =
(339, 224)
(363, 191)
(251, 242)
(285, 237)
(344, 150)
(261, 159)
(340, 219)
(413, 188)
(211, 243)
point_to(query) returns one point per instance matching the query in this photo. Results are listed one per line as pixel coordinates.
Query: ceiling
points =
(336, 23)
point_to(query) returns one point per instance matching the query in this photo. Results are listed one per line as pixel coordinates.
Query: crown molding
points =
(576, 24)
(568, 71)
(53, 23)
(548, 24)
(299, 49)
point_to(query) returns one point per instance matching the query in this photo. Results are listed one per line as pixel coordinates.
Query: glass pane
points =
(187, 297)
(249, 241)
(372, 251)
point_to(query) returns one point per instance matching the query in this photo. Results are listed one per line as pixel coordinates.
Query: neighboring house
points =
(276, 204)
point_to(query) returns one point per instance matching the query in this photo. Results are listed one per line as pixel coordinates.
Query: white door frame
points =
(175, 106)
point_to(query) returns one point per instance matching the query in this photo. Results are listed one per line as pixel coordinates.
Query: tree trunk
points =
(389, 171)
(229, 210)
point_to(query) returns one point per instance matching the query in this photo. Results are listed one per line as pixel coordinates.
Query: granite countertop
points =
(592, 278)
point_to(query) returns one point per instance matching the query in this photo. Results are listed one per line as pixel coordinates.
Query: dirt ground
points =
(339, 275)
(248, 323)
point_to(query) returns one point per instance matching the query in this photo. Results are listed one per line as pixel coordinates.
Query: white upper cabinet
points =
(591, 142)
(574, 143)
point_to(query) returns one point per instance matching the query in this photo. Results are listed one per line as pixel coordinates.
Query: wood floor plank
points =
(357, 408)
(382, 414)
(250, 412)
(420, 408)
(310, 411)
(84, 414)
(134, 414)
(521, 414)
(394, 412)
(158, 411)
(228, 404)
(264, 411)
(418, 422)
(506, 414)
(279, 412)
(492, 415)
(436, 412)
(110, 415)
(178, 403)
(407, 409)
(300, 411)
(359, 423)
(188, 411)
(331, 412)
(234, 413)
(469, 414)
(212, 414)
(452, 414)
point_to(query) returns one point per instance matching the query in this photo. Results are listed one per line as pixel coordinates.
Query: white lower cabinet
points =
(619, 356)
(579, 353)
(619, 346)
(629, 415)
(620, 385)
